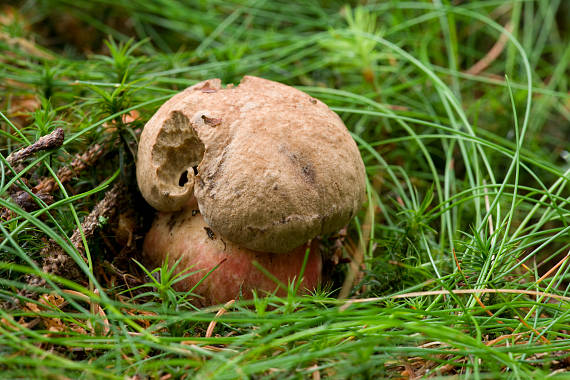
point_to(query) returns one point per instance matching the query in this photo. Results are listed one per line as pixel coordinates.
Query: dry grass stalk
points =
(220, 312)
(492, 54)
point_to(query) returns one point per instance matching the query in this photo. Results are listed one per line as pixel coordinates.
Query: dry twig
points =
(47, 185)
(66, 173)
(47, 142)
(56, 261)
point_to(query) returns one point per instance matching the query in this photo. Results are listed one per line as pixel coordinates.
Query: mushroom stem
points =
(185, 236)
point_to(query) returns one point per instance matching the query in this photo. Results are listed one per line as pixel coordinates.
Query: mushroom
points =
(268, 167)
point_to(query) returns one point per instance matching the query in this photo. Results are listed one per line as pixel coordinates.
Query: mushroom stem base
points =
(186, 237)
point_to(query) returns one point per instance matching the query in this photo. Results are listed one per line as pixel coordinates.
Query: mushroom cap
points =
(184, 236)
(270, 166)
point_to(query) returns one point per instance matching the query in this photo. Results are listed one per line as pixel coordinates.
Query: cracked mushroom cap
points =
(270, 166)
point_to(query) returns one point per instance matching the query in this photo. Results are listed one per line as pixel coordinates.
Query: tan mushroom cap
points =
(270, 166)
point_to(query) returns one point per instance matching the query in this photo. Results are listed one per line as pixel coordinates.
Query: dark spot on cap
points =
(306, 168)
(308, 173)
(211, 121)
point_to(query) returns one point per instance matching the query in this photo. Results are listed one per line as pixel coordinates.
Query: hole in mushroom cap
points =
(183, 178)
(177, 149)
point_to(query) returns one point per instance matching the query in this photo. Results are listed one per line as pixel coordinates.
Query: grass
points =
(463, 242)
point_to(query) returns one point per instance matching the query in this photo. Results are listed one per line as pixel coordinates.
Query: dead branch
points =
(66, 173)
(56, 261)
(47, 185)
(47, 142)
(106, 208)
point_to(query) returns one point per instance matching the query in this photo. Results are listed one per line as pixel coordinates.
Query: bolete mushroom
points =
(268, 168)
